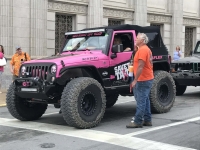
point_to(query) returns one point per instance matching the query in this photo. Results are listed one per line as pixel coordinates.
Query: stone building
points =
(38, 26)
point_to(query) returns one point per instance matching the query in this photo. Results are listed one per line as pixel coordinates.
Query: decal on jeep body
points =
(121, 71)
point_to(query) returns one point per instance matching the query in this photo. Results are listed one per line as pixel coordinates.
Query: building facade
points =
(38, 26)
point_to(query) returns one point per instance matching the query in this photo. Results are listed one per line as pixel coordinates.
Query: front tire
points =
(163, 92)
(180, 89)
(21, 109)
(83, 103)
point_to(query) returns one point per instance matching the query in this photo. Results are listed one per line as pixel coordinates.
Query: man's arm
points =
(139, 69)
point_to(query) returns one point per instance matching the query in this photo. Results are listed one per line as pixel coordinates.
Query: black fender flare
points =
(161, 65)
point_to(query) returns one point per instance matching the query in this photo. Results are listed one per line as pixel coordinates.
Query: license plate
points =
(28, 89)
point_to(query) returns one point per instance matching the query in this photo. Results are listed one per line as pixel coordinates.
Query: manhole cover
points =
(47, 145)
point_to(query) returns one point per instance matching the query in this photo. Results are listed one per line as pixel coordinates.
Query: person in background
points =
(1, 67)
(142, 83)
(177, 53)
(17, 59)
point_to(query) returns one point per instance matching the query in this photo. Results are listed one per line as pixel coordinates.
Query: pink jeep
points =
(88, 75)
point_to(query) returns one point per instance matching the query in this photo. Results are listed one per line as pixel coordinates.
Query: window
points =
(112, 22)
(126, 39)
(80, 42)
(158, 25)
(189, 32)
(63, 24)
(154, 40)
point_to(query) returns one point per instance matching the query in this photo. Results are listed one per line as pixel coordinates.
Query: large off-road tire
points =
(21, 109)
(111, 100)
(180, 89)
(163, 92)
(83, 102)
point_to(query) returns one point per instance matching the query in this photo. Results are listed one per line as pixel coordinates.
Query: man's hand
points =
(132, 85)
(11, 70)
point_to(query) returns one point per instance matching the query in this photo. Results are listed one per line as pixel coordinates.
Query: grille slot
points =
(188, 66)
(38, 71)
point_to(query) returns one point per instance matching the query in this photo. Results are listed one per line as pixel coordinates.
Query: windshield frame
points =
(108, 31)
(196, 48)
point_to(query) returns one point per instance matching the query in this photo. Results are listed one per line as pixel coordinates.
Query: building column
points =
(38, 27)
(95, 13)
(6, 24)
(140, 14)
(177, 35)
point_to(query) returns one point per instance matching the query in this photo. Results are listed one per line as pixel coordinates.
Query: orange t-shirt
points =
(145, 54)
(16, 62)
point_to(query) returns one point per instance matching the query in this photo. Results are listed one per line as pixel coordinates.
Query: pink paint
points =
(94, 58)
(123, 56)
(24, 84)
(125, 75)
(112, 77)
(157, 57)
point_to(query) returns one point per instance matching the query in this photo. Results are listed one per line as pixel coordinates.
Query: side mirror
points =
(117, 48)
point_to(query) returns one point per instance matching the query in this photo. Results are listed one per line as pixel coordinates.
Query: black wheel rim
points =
(164, 93)
(88, 104)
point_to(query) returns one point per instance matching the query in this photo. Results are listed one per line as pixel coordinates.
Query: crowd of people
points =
(17, 59)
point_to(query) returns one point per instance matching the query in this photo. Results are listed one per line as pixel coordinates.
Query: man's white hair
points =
(144, 37)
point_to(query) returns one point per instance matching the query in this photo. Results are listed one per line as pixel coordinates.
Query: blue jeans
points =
(141, 93)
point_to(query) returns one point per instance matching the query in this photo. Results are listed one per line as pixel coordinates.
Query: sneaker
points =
(133, 125)
(147, 124)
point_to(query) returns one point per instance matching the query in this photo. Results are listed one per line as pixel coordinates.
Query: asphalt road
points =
(178, 129)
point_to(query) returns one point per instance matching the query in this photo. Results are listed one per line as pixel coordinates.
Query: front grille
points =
(35, 70)
(188, 66)
(38, 71)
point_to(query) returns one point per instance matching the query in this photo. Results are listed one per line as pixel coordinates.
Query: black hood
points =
(195, 58)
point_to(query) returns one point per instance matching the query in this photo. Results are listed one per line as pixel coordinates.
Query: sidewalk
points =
(3, 98)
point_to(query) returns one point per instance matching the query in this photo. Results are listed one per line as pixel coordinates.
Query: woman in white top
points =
(177, 53)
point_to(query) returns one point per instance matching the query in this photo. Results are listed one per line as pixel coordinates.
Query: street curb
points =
(2, 105)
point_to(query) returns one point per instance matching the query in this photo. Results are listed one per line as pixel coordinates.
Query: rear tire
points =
(21, 109)
(163, 92)
(83, 103)
(180, 89)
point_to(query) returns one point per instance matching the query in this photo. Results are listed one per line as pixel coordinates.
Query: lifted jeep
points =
(88, 75)
(186, 71)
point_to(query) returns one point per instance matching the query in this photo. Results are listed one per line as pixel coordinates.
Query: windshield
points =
(76, 43)
(197, 49)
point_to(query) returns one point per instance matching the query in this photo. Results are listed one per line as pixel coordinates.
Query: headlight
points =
(179, 69)
(53, 69)
(23, 70)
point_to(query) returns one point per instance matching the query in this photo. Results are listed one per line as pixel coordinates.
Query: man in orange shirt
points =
(142, 83)
(17, 59)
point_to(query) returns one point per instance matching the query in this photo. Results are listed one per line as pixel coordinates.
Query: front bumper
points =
(34, 88)
(186, 78)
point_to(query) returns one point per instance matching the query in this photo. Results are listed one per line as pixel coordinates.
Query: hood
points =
(192, 59)
(72, 57)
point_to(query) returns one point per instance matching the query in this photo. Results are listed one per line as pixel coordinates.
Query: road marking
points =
(99, 136)
(51, 113)
(124, 102)
(162, 127)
